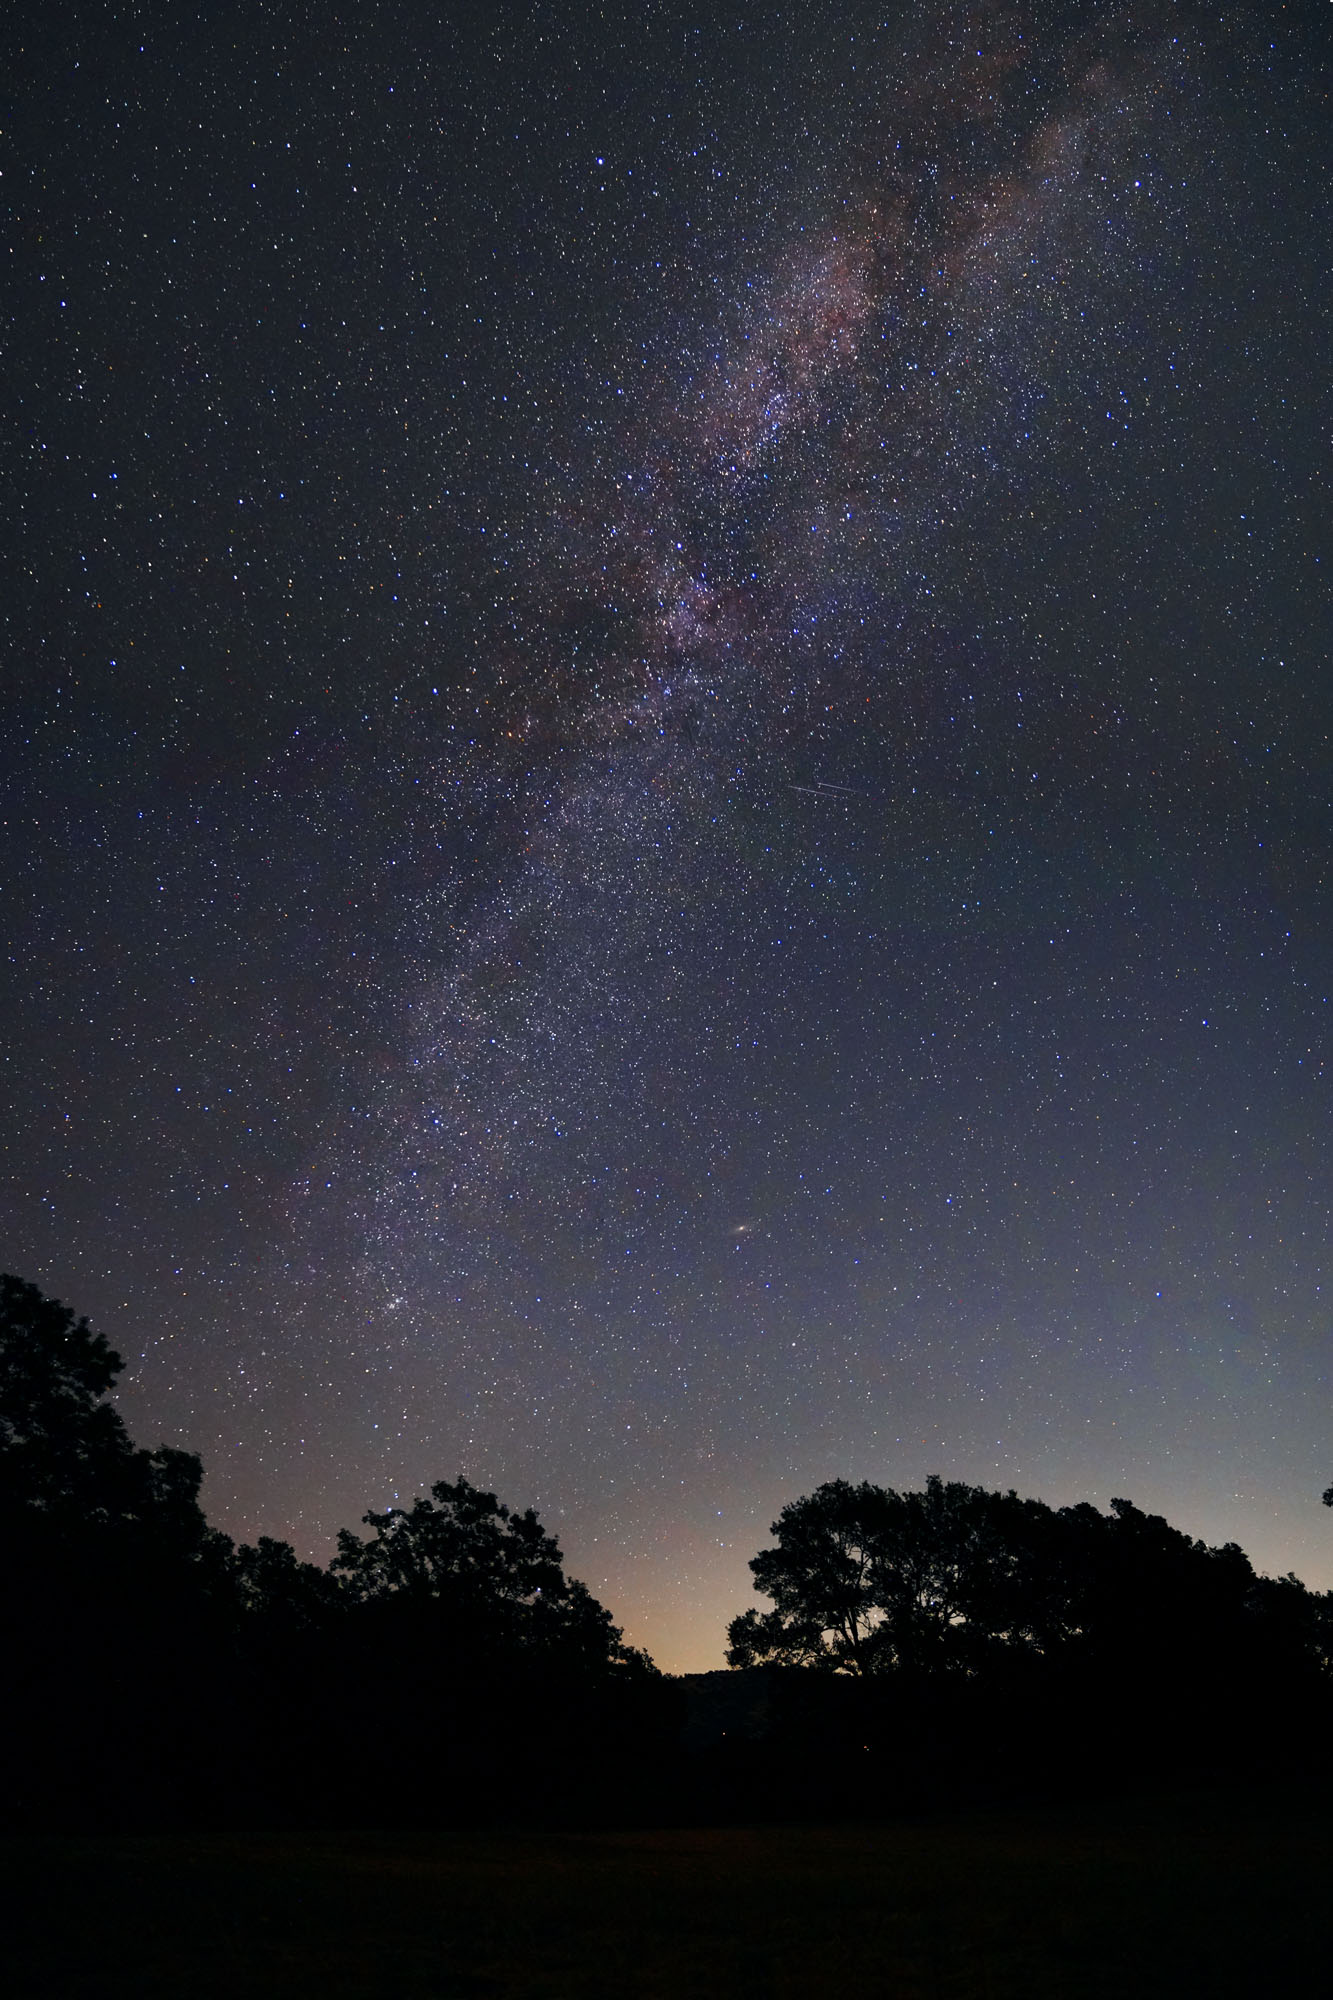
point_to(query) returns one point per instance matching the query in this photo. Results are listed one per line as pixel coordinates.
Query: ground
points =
(1205, 1895)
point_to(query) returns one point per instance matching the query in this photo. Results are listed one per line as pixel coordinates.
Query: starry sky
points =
(667, 758)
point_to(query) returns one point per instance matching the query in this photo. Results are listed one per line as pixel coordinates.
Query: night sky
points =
(667, 754)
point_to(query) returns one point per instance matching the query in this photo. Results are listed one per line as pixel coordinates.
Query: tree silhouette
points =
(496, 1578)
(823, 1579)
(865, 1579)
(67, 1464)
(275, 1587)
(122, 1592)
(511, 1685)
(955, 1580)
(164, 1674)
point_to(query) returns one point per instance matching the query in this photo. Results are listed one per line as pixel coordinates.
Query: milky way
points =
(726, 679)
(748, 560)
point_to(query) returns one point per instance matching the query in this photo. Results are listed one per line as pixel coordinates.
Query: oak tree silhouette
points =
(496, 1575)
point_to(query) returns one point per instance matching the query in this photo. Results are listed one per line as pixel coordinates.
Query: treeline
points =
(980, 1643)
(920, 1647)
(956, 1582)
(443, 1668)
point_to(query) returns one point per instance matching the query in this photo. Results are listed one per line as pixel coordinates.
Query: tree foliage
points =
(954, 1580)
(274, 1586)
(163, 1670)
(67, 1464)
(494, 1576)
(444, 1666)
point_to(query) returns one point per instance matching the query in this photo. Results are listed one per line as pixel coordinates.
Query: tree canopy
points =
(162, 1666)
(953, 1579)
(445, 1666)
(497, 1576)
(67, 1463)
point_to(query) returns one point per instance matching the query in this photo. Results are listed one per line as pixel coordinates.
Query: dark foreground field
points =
(1205, 1896)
